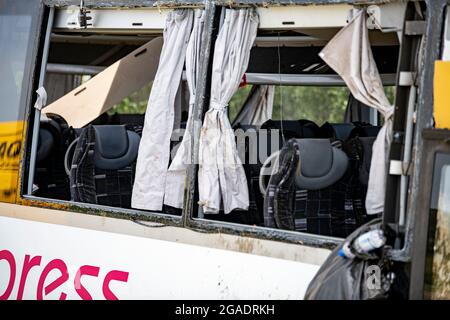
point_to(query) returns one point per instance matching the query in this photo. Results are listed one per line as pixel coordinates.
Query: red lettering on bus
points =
(9, 257)
(84, 271)
(113, 275)
(55, 264)
(27, 266)
(59, 265)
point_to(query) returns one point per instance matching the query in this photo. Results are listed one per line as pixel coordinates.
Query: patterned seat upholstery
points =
(50, 179)
(334, 208)
(103, 165)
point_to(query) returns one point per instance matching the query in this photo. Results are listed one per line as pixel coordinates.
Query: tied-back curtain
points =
(221, 177)
(349, 53)
(154, 150)
(177, 170)
(258, 106)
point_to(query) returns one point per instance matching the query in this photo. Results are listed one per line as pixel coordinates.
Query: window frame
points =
(212, 22)
(28, 82)
(435, 141)
(186, 220)
(430, 142)
(411, 250)
(25, 198)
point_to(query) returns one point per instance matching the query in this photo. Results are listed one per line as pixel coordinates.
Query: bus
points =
(110, 111)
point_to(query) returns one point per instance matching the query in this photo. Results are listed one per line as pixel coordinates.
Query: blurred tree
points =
(135, 103)
(237, 101)
(319, 104)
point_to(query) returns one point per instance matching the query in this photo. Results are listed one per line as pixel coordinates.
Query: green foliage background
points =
(319, 104)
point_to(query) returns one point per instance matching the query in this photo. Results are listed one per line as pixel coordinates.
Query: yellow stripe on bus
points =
(442, 94)
(10, 150)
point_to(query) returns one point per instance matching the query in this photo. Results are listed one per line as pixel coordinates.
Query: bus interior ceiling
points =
(75, 55)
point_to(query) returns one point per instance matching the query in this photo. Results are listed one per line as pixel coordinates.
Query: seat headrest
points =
(115, 146)
(246, 127)
(309, 128)
(293, 128)
(340, 131)
(365, 131)
(46, 142)
(321, 164)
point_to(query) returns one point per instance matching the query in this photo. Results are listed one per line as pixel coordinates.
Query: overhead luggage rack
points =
(144, 21)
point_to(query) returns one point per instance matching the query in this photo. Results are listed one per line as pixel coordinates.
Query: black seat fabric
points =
(332, 205)
(115, 147)
(280, 193)
(50, 177)
(103, 165)
(363, 129)
(293, 128)
(269, 130)
(359, 150)
(336, 131)
(46, 142)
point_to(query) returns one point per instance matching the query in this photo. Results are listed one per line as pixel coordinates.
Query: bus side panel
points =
(41, 260)
(20, 22)
(10, 147)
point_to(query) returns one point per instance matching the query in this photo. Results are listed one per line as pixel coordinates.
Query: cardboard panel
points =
(91, 99)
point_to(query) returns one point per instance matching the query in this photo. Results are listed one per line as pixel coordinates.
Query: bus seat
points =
(321, 196)
(364, 130)
(321, 164)
(50, 177)
(103, 165)
(46, 143)
(337, 131)
(292, 129)
(359, 150)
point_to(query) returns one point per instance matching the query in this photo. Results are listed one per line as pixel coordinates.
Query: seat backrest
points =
(321, 164)
(50, 177)
(305, 165)
(359, 151)
(291, 129)
(318, 191)
(46, 143)
(364, 130)
(103, 165)
(336, 131)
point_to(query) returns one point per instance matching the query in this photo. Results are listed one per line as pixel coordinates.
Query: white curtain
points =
(177, 171)
(221, 176)
(258, 106)
(350, 55)
(154, 149)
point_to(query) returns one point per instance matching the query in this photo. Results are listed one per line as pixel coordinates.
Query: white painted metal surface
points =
(129, 267)
(289, 17)
(389, 16)
(151, 20)
(133, 20)
(268, 248)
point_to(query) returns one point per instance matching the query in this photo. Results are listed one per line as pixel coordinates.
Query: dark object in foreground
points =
(366, 277)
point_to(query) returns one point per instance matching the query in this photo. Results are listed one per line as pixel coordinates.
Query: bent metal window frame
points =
(186, 220)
